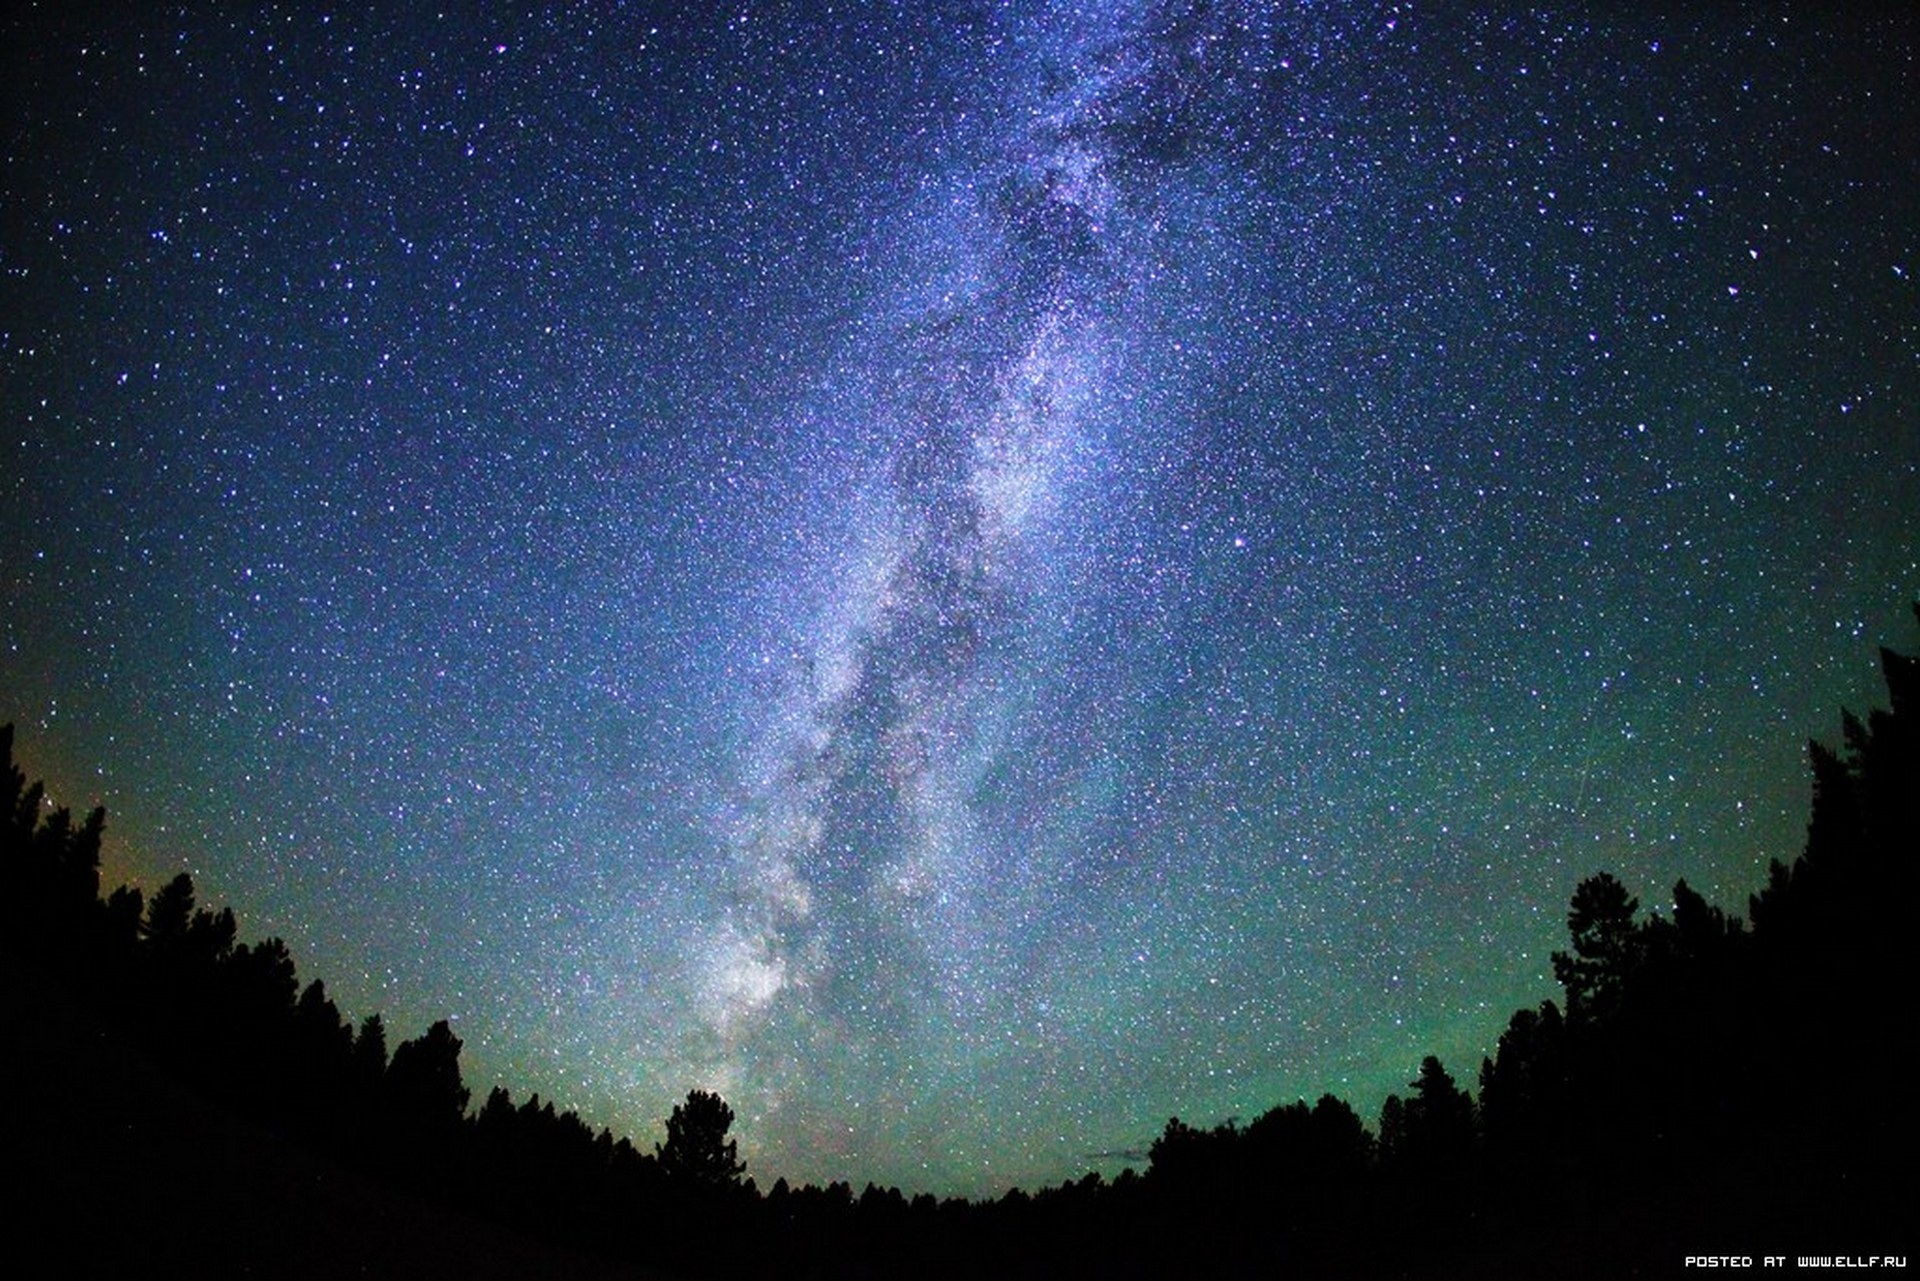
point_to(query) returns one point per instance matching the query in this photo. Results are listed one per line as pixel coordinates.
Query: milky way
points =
(909, 821)
(974, 578)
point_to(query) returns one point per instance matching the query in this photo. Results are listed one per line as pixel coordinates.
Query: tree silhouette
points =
(423, 1081)
(1523, 1086)
(169, 912)
(1439, 1115)
(52, 868)
(370, 1049)
(697, 1152)
(1606, 947)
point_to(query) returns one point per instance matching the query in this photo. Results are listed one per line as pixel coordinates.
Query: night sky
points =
(972, 576)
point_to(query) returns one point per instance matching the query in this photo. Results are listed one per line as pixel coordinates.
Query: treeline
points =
(232, 1021)
(1705, 1085)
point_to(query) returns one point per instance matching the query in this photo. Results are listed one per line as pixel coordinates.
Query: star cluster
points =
(972, 576)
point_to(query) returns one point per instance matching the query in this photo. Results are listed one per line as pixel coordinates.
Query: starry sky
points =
(975, 575)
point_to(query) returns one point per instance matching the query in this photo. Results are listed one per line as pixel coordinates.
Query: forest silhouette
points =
(1705, 1085)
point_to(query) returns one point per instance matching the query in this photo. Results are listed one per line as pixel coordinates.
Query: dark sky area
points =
(972, 576)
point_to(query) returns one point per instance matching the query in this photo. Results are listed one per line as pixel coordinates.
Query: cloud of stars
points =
(974, 577)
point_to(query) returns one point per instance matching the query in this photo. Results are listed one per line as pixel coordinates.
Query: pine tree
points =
(697, 1153)
(1606, 948)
